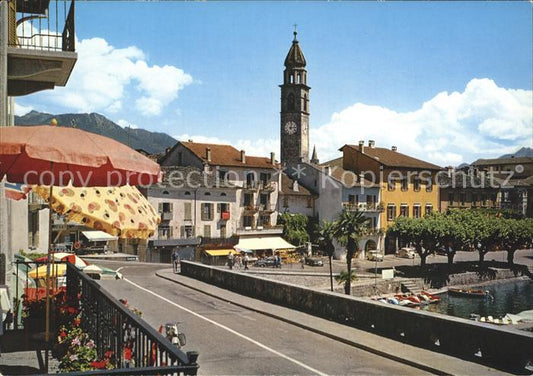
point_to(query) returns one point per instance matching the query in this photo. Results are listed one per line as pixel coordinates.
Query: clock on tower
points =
(294, 108)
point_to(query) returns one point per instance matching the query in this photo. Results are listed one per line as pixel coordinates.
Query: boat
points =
(468, 292)
(428, 298)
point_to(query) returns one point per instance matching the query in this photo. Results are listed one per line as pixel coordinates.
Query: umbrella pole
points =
(50, 244)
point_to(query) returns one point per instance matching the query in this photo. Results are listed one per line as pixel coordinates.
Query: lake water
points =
(509, 297)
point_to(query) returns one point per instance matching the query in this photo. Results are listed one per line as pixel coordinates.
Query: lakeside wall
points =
(501, 346)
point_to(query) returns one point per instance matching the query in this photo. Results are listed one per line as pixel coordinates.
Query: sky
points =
(446, 82)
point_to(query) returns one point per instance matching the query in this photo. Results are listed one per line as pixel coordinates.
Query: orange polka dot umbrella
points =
(119, 211)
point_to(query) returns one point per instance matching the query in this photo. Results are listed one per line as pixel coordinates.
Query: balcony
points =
(362, 206)
(260, 230)
(268, 187)
(41, 50)
(251, 208)
(166, 216)
(83, 306)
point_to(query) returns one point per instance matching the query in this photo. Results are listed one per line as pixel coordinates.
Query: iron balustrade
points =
(108, 322)
(39, 29)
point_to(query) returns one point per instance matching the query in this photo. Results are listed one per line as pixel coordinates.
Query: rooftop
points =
(393, 158)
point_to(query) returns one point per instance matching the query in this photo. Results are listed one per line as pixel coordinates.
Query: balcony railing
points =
(104, 319)
(362, 206)
(39, 25)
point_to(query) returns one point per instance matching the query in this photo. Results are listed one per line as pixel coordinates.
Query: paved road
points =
(233, 340)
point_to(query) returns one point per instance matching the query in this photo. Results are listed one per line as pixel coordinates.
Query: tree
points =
(514, 234)
(294, 228)
(343, 277)
(325, 234)
(348, 229)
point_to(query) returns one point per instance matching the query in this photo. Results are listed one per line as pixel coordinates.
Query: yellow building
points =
(407, 184)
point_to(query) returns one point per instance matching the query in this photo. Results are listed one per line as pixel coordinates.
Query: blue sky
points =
(446, 82)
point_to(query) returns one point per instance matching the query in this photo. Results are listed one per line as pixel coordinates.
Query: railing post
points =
(193, 357)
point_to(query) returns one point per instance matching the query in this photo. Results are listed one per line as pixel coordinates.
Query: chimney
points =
(272, 158)
(362, 146)
(327, 170)
(208, 154)
(371, 144)
(295, 187)
(394, 148)
(243, 157)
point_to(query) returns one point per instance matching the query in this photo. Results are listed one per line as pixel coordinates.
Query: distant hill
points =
(522, 152)
(136, 138)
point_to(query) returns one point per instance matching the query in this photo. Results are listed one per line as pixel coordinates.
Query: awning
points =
(98, 236)
(220, 252)
(264, 242)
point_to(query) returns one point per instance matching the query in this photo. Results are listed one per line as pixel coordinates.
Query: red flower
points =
(99, 364)
(63, 334)
(108, 354)
(77, 322)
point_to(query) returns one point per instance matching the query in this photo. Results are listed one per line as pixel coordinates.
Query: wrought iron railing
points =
(106, 321)
(39, 27)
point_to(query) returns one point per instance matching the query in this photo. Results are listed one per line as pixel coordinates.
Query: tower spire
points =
(314, 157)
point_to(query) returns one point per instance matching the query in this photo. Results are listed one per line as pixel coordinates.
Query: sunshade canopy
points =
(64, 256)
(98, 236)
(264, 242)
(53, 155)
(119, 211)
(220, 252)
(55, 271)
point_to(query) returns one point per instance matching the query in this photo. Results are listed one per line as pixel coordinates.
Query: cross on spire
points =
(295, 30)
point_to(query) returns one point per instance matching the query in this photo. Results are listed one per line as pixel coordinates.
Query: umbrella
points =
(101, 272)
(53, 155)
(63, 256)
(58, 270)
(120, 211)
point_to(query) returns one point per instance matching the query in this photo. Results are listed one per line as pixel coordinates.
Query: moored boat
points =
(468, 292)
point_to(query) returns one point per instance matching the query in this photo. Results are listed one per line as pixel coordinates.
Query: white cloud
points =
(21, 110)
(104, 77)
(451, 128)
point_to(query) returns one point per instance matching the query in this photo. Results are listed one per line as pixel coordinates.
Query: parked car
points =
(406, 252)
(264, 262)
(374, 255)
(314, 261)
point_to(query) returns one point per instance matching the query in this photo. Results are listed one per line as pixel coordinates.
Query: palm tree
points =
(349, 227)
(343, 277)
(326, 234)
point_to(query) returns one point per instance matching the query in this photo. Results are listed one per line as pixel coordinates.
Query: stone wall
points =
(502, 346)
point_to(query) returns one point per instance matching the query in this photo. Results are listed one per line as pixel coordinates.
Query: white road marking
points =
(230, 330)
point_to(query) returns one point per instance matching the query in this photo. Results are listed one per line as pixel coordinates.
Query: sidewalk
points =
(416, 357)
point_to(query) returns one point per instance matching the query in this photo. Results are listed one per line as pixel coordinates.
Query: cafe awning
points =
(264, 242)
(98, 236)
(220, 252)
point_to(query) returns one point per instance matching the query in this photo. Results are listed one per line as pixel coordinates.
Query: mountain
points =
(522, 152)
(136, 138)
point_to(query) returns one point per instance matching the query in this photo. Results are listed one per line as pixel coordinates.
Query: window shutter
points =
(219, 208)
(160, 207)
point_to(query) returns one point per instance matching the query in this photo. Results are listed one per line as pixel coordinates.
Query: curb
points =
(372, 350)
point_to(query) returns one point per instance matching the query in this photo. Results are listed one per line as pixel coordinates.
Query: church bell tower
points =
(294, 108)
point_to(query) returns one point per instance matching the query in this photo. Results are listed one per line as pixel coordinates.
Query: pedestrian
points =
(278, 260)
(238, 262)
(246, 260)
(302, 261)
(230, 260)
(175, 260)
